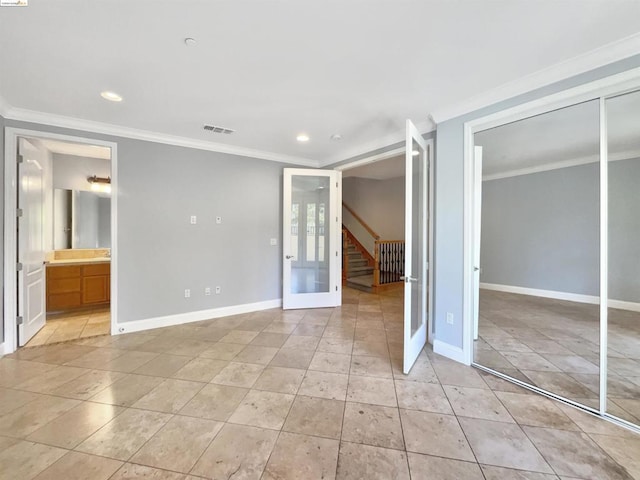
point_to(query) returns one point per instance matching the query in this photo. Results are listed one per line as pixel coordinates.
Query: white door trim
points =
(10, 239)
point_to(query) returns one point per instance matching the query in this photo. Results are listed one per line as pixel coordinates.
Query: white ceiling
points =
(381, 170)
(567, 136)
(77, 149)
(272, 69)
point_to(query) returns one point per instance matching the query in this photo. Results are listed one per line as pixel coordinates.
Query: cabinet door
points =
(95, 289)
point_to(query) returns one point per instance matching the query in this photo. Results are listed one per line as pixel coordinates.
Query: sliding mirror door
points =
(623, 353)
(539, 289)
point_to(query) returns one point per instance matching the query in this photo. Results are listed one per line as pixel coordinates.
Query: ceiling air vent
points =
(216, 129)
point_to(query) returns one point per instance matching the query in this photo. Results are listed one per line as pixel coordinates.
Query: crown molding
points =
(605, 55)
(4, 107)
(426, 126)
(575, 162)
(53, 120)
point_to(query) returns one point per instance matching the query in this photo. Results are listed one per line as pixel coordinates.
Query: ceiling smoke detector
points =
(216, 129)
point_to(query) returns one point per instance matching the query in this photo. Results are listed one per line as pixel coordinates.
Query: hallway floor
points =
(62, 327)
(302, 395)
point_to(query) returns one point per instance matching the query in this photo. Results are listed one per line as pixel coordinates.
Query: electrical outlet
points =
(218, 220)
(274, 241)
(194, 219)
(207, 291)
(218, 290)
(450, 318)
(187, 293)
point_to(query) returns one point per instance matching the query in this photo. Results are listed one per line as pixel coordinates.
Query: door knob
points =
(288, 257)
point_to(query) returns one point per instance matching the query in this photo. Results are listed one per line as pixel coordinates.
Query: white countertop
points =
(78, 260)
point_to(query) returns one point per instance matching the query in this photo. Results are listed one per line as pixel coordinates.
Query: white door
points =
(477, 222)
(31, 254)
(416, 246)
(311, 240)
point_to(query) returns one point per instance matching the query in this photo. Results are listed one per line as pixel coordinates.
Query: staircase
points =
(360, 273)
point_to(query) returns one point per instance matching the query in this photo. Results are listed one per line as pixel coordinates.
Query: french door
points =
(417, 239)
(311, 238)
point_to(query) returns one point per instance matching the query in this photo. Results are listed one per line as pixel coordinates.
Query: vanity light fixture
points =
(100, 184)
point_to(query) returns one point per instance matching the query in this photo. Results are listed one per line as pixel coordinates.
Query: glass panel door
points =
(311, 238)
(416, 259)
(623, 313)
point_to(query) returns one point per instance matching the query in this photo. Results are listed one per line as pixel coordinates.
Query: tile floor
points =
(555, 345)
(286, 395)
(62, 327)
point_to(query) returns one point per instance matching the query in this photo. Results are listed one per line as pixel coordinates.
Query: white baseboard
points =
(2, 348)
(181, 318)
(449, 351)
(571, 297)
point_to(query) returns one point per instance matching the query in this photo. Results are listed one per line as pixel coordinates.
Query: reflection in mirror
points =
(623, 353)
(81, 219)
(539, 252)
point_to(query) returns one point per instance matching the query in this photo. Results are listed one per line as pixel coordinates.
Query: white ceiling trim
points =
(4, 107)
(24, 115)
(426, 126)
(599, 57)
(613, 157)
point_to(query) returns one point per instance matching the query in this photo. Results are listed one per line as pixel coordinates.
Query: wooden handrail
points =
(364, 224)
(389, 241)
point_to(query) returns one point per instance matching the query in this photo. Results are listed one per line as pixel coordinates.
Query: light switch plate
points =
(193, 220)
(274, 241)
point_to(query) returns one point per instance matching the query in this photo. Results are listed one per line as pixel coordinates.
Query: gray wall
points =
(160, 254)
(71, 172)
(449, 274)
(104, 222)
(542, 230)
(380, 203)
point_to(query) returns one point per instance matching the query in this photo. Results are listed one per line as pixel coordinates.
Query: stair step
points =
(358, 271)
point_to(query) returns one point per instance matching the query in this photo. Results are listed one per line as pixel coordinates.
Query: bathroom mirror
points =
(81, 219)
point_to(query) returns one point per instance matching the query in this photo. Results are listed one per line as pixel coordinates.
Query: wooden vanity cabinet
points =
(75, 286)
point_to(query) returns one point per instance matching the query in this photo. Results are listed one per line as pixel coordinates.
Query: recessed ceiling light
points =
(303, 137)
(415, 153)
(189, 42)
(111, 96)
(336, 137)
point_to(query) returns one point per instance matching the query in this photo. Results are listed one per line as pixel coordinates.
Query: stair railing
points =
(358, 228)
(389, 262)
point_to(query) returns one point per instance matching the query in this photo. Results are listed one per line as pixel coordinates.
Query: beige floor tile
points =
(371, 348)
(308, 330)
(256, 354)
(179, 444)
(49, 381)
(500, 473)
(435, 434)
(13, 399)
(378, 391)
(125, 434)
(30, 417)
(324, 385)
(335, 345)
(422, 371)
(170, 396)
(357, 461)
(297, 457)
(625, 451)
(292, 358)
(237, 451)
(269, 338)
(6, 442)
(280, 379)
(302, 342)
(594, 425)
(62, 353)
(130, 361)
(320, 417)
(371, 366)
(330, 362)
(131, 471)
(215, 402)
(190, 347)
(477, 403)
(25, 460)
(128, 390)
(451, 373)
(201, 369)
(284, 328)
(575, 454)
(372, 425)
(87, 385)
(74, 426)
(427, 397)
(503, 445)
(535, 411)
(239, 374)
(223, 351)
(97, 358)
(263, 409)
(239, 336)
(426, 466)
(14, 372)
(80, 466)
(164, 365)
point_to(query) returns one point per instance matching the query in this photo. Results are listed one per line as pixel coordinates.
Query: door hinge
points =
(19, 212)
(336, 184)
(336, 288)
(19, 320)
(19, 266)
(20, 158)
